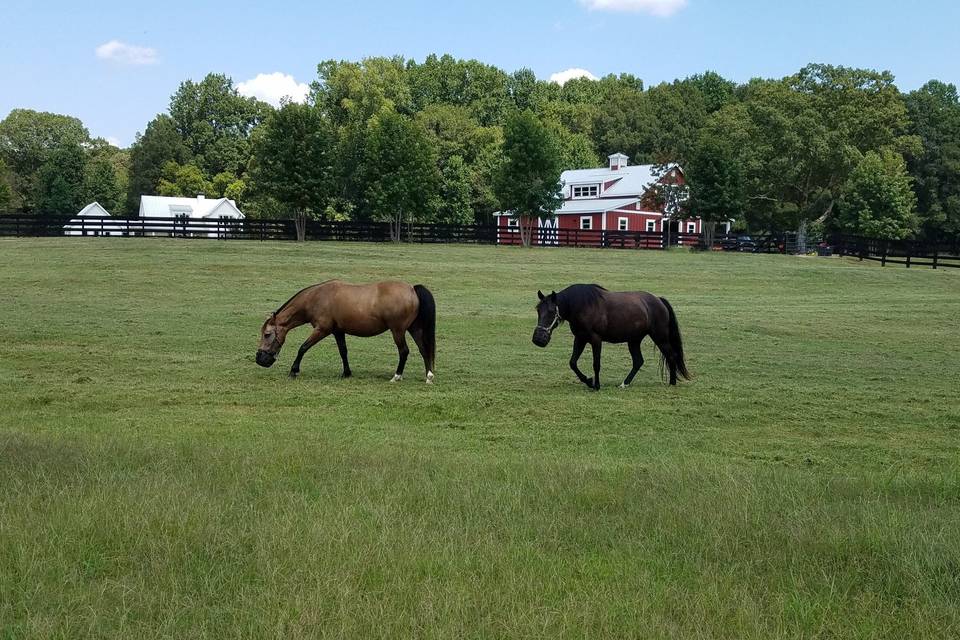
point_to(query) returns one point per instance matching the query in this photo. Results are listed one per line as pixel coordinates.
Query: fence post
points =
(908, 259)
(935, 253)
(883, 256)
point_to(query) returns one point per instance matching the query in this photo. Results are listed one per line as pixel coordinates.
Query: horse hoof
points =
(294, 374)
(623, 386)
(396, 378)
(429, 377)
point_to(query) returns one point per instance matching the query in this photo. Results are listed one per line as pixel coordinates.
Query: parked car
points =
(738, 243)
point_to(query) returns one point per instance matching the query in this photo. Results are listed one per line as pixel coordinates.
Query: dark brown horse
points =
(342, 309)
(597, 316)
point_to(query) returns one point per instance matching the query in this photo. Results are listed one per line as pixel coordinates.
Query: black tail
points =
(676, 343)
(427, 321)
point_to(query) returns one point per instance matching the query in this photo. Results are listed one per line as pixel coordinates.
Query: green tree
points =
(159, 144)
(455, 197)
(28, 141)
(100, 183)
(215, 123)
(401, 168)
(528, 181)
(6, 192)
(185, 181)
(799, 139)
(220, 182)
(877, 199)
(934, 111)
(716, 184)
(454, 132)
(292, 162)
(353, 92)
(60, 182)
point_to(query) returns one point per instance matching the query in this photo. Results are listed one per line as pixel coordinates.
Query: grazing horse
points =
(358, 310)
(597, 316)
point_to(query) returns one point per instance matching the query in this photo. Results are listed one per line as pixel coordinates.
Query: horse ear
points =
(553, 296)
(540, 294)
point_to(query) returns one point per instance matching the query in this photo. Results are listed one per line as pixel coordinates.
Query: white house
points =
(194, 208)
(92, 220)
(158, 212)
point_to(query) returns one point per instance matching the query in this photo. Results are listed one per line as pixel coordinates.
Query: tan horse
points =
(364, 310)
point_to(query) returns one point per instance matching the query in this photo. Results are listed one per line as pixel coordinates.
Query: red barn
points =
(615, 198)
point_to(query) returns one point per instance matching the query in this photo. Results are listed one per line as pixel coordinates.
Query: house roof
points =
(594, 205)
(168, 207)
(93, 209)
(631, 180)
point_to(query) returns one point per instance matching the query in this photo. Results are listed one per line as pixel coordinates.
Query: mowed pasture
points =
(155, 482)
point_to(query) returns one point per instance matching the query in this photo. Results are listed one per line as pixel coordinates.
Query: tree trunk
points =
(709, 228)
(526, 231)
(396, 226)
(300, 221)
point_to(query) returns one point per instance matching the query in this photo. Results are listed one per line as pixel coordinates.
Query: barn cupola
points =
(618, 161)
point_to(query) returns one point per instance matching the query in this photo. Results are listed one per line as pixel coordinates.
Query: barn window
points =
(651, 225)
(691, 227)
(586, 191)
(586, 222)
(514, 223)
(622, 224)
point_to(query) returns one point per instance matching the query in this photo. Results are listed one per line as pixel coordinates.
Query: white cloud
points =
(124, 53)
(114, 141)
(661, 8)
(561, 77)
(271, 87)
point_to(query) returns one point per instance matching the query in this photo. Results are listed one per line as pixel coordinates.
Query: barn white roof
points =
(631, 180)
(169, 207)
(594, 205)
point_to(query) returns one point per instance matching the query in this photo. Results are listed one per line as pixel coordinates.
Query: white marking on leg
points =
(396, 378)
(623, 385)
(429, 377)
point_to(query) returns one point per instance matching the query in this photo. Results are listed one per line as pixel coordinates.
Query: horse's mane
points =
(293, 297)
(579, 296)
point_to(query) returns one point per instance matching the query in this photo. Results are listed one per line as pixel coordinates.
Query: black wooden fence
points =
(903, 252)
(251, 229)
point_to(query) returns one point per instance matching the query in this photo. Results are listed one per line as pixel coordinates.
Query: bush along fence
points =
(901, 252)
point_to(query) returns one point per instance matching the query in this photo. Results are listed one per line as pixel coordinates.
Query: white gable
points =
(93, 209)
(168, 207)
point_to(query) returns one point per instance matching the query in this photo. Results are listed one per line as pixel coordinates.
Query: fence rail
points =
(252, 229)
(906, 252)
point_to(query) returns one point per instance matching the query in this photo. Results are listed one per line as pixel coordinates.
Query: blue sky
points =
(114, 64)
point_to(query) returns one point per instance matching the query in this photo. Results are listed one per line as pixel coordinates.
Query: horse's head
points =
(272, 335)
(548, 318)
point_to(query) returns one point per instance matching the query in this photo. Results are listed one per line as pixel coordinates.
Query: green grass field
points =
(154, 482)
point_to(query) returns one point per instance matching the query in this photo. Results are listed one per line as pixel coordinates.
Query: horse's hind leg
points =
(637, 357)
(312, 339)
(417, 334)
(342, 347)
(663, 343)
(400, 338)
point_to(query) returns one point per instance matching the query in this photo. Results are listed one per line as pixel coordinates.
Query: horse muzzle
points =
(541, 337)
(265, 358)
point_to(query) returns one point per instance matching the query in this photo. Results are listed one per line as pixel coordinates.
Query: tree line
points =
(450, 140)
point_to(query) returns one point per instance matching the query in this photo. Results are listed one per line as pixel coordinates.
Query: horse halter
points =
(553, 325)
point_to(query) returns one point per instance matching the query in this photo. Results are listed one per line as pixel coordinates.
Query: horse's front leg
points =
(578, 345)
(314, 338)
(596, 344)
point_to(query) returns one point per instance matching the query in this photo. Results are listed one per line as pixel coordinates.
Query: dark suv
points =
(738, 243)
